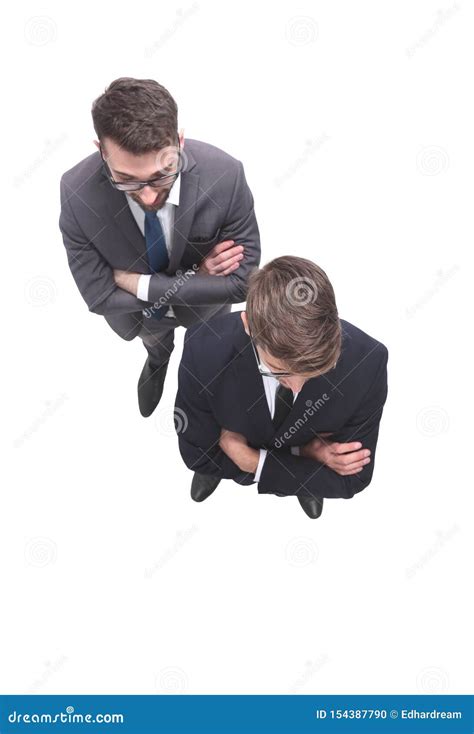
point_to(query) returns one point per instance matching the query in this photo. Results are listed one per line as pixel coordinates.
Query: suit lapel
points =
(249, 385)
(183, 216)
(119, 212)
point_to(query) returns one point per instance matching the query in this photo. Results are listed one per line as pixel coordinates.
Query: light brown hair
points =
(292, 314)
(138, 114)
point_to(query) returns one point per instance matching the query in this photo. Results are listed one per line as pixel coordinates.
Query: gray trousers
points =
(158, 338)
(158, 334)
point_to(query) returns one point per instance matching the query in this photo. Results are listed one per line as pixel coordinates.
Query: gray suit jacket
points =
(100, 233)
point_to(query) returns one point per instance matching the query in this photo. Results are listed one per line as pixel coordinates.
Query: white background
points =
(354, 122)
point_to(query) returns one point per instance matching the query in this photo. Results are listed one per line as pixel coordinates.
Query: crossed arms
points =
(323, 468)
(111, 292)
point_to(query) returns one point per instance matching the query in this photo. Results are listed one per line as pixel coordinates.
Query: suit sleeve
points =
(92, 274)
(240, 225)
(288, 474)
(197, 429)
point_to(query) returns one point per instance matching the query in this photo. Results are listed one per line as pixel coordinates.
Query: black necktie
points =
(283, 405)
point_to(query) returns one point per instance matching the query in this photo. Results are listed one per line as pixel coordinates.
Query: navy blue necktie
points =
(156, 251)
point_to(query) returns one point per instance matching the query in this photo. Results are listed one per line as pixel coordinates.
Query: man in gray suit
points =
(158, 233)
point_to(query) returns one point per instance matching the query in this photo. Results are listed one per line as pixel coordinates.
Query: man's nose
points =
(295, 383)
(148, 195)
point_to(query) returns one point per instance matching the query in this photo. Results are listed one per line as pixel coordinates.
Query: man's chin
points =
(153, 207)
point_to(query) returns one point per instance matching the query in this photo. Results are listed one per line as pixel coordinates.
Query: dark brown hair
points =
(138, 114)
(292, 314)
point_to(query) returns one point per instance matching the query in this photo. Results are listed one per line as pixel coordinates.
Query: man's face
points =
(125, 166)
(294, 382)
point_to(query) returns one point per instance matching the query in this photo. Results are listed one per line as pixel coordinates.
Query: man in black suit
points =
(285, 394)
(159, 232)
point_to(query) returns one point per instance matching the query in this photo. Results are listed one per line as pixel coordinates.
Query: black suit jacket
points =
(219, 386)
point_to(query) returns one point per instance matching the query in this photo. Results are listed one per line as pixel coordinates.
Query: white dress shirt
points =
(166, 217)
(270, 384)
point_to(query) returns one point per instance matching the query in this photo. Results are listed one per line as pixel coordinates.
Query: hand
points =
(237, 449)
(223, 259)
(127, 281)
(343, 458)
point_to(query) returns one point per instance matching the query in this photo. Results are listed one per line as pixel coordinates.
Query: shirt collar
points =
(173, 197)
(267, 369)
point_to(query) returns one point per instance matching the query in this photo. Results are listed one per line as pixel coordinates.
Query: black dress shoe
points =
(150, 387)
(312, 506)
(203, 485)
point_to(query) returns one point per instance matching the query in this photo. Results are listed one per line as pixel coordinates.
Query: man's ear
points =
(243, 316)
(181, 137)
(96, 143)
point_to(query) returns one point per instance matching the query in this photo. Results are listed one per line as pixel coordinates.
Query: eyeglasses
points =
(261, 369)
(155, 183)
